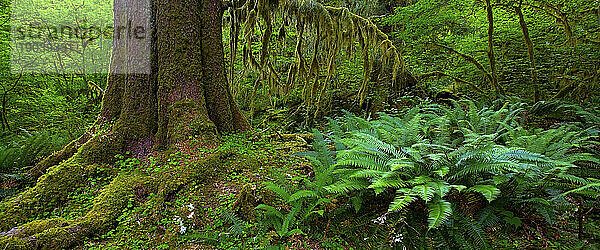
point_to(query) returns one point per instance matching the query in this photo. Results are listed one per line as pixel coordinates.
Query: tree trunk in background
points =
(530, 52)
(222, 109)
(491, 57)
(184, 93)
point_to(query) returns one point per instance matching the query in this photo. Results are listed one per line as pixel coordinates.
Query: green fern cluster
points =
(440, 155)
(25, 150)
(304, 202)
(22, 152)
(561, 110)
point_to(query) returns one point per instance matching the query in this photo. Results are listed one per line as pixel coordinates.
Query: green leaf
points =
(401, 201)
(294, 231)
(398, 164)
(356, 203)
(302, 194)
(426, 192)
(278, 190)
(488, 191)
(269, 210)
(439, 212)
(440, 188)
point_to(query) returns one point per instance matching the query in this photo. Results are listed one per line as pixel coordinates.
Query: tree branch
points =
(456, 79)
(467, 58)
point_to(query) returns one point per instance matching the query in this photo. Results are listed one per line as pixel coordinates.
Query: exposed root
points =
(58, 233)
(51, 189)
(58, 157)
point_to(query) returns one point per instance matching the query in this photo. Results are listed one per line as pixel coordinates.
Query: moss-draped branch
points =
(333, 32)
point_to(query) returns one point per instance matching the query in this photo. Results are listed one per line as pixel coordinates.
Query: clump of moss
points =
(188, 118)
(51, 189)
(59, 233)
(244, 204)
(37, 226)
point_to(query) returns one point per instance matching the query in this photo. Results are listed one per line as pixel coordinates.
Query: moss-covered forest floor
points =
(216, 196)
(203, 213)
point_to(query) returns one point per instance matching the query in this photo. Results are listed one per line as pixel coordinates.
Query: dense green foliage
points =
(475, 166)
(451, 37)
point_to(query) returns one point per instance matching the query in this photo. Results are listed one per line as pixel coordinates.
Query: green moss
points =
(176, 174)
(39, 226)
(188, 118)
(110, 204)
(51, 189)
(244, 204)
(56, 238)
(101, 149)
(55, 159)
(14, 243)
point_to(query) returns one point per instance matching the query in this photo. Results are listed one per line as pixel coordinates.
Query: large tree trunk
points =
(222, 109)
(184, 93)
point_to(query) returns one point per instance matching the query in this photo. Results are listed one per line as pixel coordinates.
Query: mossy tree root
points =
(51, 189)
(54, 187)
(57, 157)
(58, 233)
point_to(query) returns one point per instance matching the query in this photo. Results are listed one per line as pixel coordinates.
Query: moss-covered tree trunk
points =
(159, 92)
(530, 51)
(491, 57)
(222, 109)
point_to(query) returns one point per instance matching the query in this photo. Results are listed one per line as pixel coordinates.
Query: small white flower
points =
(190, 206)
(179, 221)
(380, 220)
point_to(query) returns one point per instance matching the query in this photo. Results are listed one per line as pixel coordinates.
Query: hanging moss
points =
(331, 30)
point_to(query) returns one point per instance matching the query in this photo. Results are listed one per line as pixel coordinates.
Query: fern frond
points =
(301, 194)
(347, 186)
(426, 192)
(439, 212)
(270, 210)
(401, 202)
(488, 191)
(475, 232)
(278, 190)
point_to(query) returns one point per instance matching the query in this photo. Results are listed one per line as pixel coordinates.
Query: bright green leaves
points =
(401, 202)
(305, 203)
(425, 192)
(432, 193)
(488, 191)
(302, 194)
(439, 212)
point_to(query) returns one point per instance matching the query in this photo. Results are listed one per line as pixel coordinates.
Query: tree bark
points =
(186, 89)
(491, 57)
(222, 109)
(530, 51)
